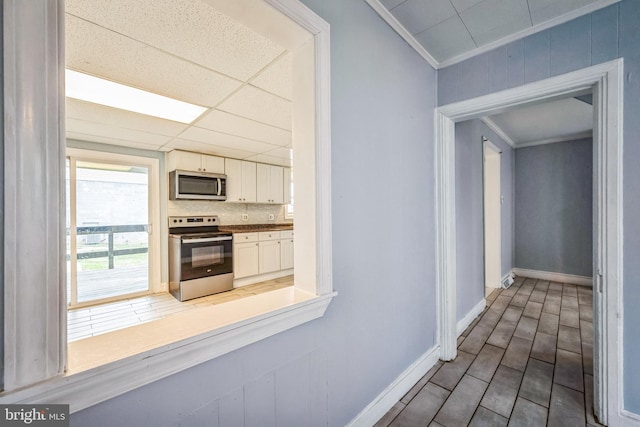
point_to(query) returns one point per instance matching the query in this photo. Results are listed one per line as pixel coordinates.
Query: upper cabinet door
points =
(270, 184)
(212, 164)
(184, 160)
(277, 184)
(263, 181)
(241, 181)
(249, 191)
(233, 170)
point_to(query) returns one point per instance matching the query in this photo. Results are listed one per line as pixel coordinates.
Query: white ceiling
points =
(561, 120)
(183, 49)
(447, 31)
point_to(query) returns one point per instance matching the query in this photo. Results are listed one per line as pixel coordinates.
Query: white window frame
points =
(33, 42)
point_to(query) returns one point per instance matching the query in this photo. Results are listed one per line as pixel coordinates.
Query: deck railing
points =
(109, 230)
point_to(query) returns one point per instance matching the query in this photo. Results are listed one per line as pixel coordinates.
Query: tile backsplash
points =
(229, 213)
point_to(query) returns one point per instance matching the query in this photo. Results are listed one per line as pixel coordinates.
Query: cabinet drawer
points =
(286, 234)
(269, 235)
(245, 237)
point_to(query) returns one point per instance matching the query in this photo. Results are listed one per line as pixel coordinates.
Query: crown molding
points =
(498, 131)
(399, 28)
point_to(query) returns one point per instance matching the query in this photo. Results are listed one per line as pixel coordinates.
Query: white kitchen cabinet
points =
(269, 257)
(241, 180)
(270, 184)
(245, 259)
(185, 160)
(287, 186)
(286, 252)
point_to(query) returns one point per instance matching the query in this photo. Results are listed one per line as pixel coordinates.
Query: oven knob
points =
(180, 220)
(175, 220)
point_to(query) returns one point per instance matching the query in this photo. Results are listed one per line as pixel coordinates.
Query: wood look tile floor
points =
(95, 320)
(527, 360)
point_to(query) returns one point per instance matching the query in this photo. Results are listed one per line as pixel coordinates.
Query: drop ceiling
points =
(448, 31)
(183, 49)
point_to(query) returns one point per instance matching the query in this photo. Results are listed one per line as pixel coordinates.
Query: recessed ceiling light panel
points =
(99, 91)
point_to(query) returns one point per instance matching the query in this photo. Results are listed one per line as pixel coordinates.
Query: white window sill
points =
(105, 366)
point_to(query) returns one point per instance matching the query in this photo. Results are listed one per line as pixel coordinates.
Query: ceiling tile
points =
(263, 158)
(544, 10)
(229, 123)
(418, 15)
(225, 140)
(116, 132)
(276, 78)
(492, 20)
(461, 5)
(189, 29)
(447, 39)
(106, 54)
(390, 4)
(201, 147)
(112, 141)
(259, 105)
(97, 113)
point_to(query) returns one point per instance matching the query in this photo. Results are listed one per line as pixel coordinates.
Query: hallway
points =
(527, 360)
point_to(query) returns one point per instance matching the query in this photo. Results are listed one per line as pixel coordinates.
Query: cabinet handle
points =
(257, 244)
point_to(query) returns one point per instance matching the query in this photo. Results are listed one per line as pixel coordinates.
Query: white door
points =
(492, 203)
(111, 247)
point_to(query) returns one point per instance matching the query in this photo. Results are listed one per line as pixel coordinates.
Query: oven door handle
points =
(206, 239)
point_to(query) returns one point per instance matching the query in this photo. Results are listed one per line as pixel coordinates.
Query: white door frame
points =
(490, 162)
(156, 241)
(606, 81)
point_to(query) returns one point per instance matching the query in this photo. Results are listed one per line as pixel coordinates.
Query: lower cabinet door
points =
(269, 256)
(245, 259)
(286, 254)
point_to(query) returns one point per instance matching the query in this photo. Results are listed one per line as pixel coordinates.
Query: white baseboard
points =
(466, 321)
(554, 277)
(398, 388)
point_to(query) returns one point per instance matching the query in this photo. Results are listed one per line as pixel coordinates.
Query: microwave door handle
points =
(219, 186)
(207, 239)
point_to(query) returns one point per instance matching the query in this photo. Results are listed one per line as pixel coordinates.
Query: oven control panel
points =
(193, 221)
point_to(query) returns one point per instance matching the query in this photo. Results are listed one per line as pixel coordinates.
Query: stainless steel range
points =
(200, 257)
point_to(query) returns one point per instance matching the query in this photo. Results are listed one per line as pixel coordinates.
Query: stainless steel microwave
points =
(186, 185)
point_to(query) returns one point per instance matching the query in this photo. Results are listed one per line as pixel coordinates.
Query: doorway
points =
(109, 224)
(492, 216)
(606, 82)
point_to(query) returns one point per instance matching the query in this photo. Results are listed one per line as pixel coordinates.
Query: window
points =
(35, 213)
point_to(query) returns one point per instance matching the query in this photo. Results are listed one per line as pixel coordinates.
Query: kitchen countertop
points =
(251, 228)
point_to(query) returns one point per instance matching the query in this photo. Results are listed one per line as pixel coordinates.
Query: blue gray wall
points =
(384, 317)
(554, 207)
(470, 212)
(592, 39)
